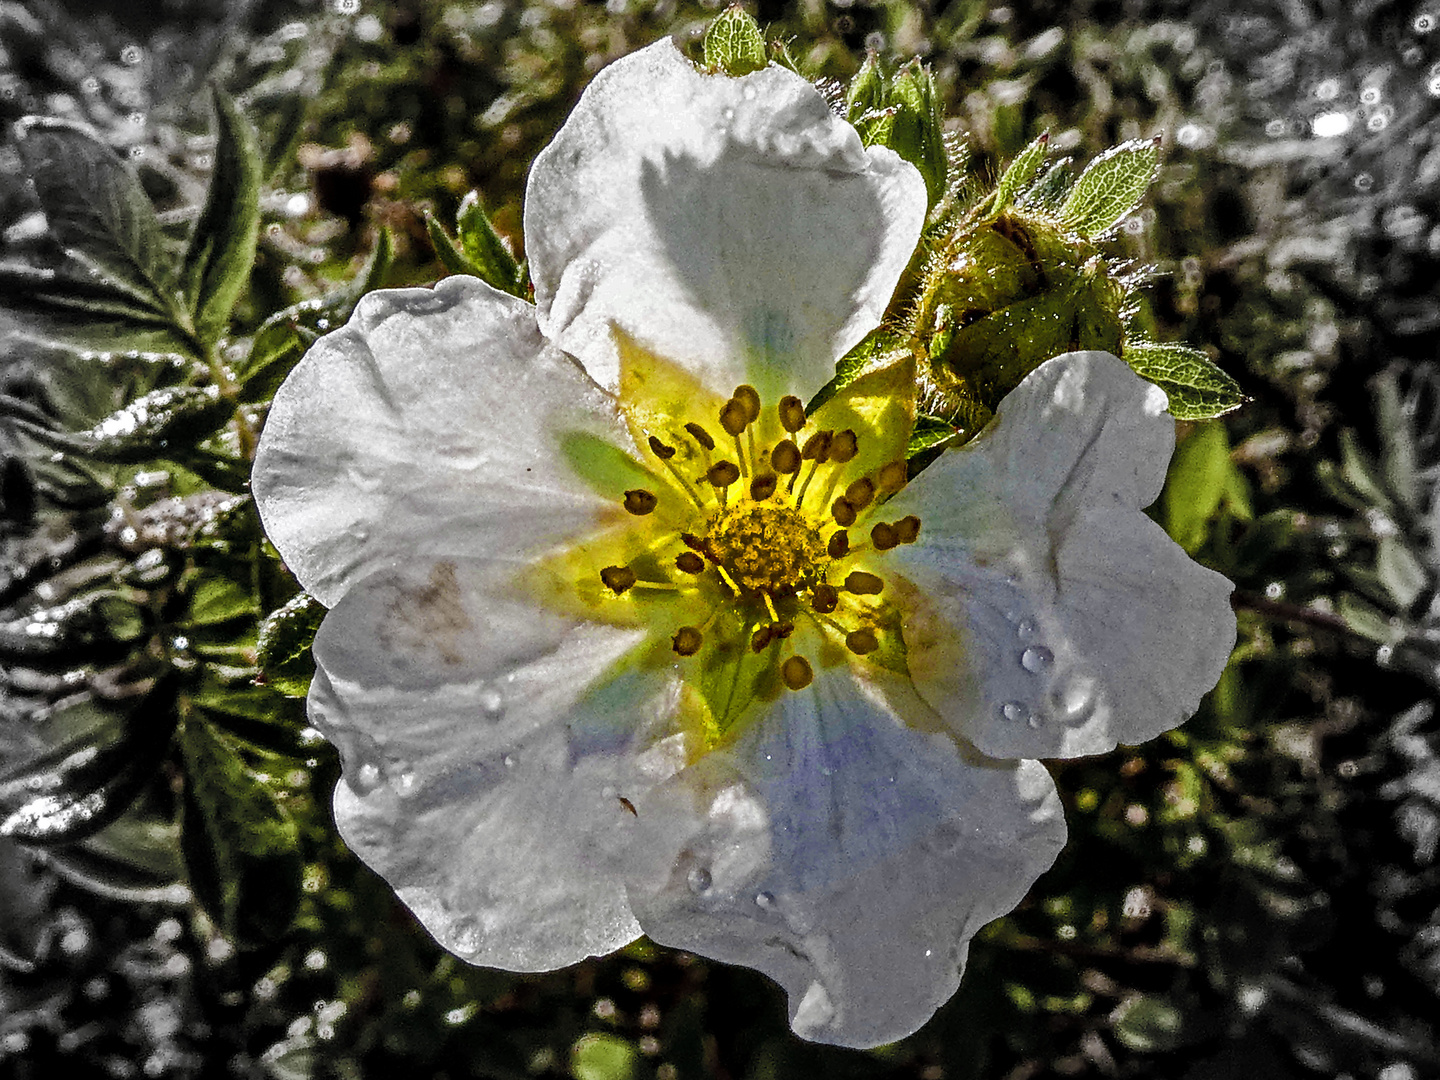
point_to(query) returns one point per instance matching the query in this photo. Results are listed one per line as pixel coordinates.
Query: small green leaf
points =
(447, 251)
(918, 134)
(1150, 1025)
(734, 44)
(241, 847)
(96, 209)
(877, 349)
(1196, 485)
(485, 250)
(867, 89)
(217, 263)
(217, 599)
(928, 433)
(1402, 574)
(283, 649)
(1017, 177)
(1111, 186)
(1196, 387)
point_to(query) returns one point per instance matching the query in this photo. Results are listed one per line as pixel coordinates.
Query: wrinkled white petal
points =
(1064, 620)
(486, 746)
(736, 226)
(429, 425)
(849, 857)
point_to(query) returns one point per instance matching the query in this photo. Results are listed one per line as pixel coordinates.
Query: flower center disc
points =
(765, 549)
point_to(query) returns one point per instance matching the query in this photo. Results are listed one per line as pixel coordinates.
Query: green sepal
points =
(734, 44)
(918, 131)
(486, 251)
(876, 349)
(1017, 177)
(283, 649)
(283, 338)
(221, 252)
(1111, 186)
(241, 847)
(866, 91)
(78, 788)
(97, 211)
(1196, 387)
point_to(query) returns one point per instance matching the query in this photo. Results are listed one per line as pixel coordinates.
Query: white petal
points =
(1054, 619)
(734, 225)
(844, 854)
(486, 747)
(429, 424)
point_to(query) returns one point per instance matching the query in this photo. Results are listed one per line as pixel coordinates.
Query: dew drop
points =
(1014, 711)
(1073, 699)
(508, 761)
(404, 782)
(1424, 23)
(131, 55)
(465, 936)
(699, 880)
(765, 900)
(366, 779)
(492, 703)
(1036, 658)
(1025, 631)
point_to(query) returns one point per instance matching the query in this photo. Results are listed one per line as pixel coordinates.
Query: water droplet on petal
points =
(1026, 630)
(1036, 658)
(404, 781)
(465, 936)
(492, 703)
(1014, 711)
(366, 779)
(1072, 700)
(509, 761)
(765, 900)
(699, 880)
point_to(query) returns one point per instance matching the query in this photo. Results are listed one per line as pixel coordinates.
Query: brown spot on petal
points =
(432, 617)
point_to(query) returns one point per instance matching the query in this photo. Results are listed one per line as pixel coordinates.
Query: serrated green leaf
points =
(283, 338)
(82, 313)
(1020, 173)
(1195, 485)
(733, 43)
(97, 210)
(217, 599)
(1111, 186)
(928, 433)
(867, 89)
(133, 859)
(485, 250)
(877, 126)
(918, 134)
(241, 847)
(283, 650)
(1196, 387)
(216, 267)
(152, 426)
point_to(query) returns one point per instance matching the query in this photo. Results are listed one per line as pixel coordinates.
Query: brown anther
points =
(861, 642)
(839, 545)
(700, 435)
(784, 630)
(640, 502)
(892, 477)
(884, 537)
(843, 512)
(785, 458)
(796, 673)
(824, 598)
(844, 447)
(693, 542)
(762, 487)
(687, 641)
(618, 578)
(688, 562)
(761, 638)
(907, 529)
(749, 397)
(863, 584)
(817, 447)
(734, 417)
(860, 493)
(723, 473)
(792, 413)
(660, 450)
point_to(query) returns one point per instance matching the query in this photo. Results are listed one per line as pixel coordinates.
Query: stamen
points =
(689, 563)
(845, 446)
(729, 580)
(824, 598)
(701, 436)
(784, 630)
(843, 512)
(883, 536)
(861, 642)
(792, 413)
(693, 542)
(618, 578)
(796, 673)
(907, 529)
(687, 641)
(734, 417)
(860, 493)
(770, 607)
(817, 447)
(893, 477)
(785, 458)
(839, 545)
(863, 584)
(660, 450)
(640, 502)
(761, 638)
(722, 474)
(749, 397)
(762, 487)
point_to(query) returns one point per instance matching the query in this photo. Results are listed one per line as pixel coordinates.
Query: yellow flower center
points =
(765, 549)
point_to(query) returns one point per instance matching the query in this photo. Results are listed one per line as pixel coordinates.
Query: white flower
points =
(598, 659)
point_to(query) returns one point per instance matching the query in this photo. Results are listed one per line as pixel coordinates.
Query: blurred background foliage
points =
(1257, 893)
